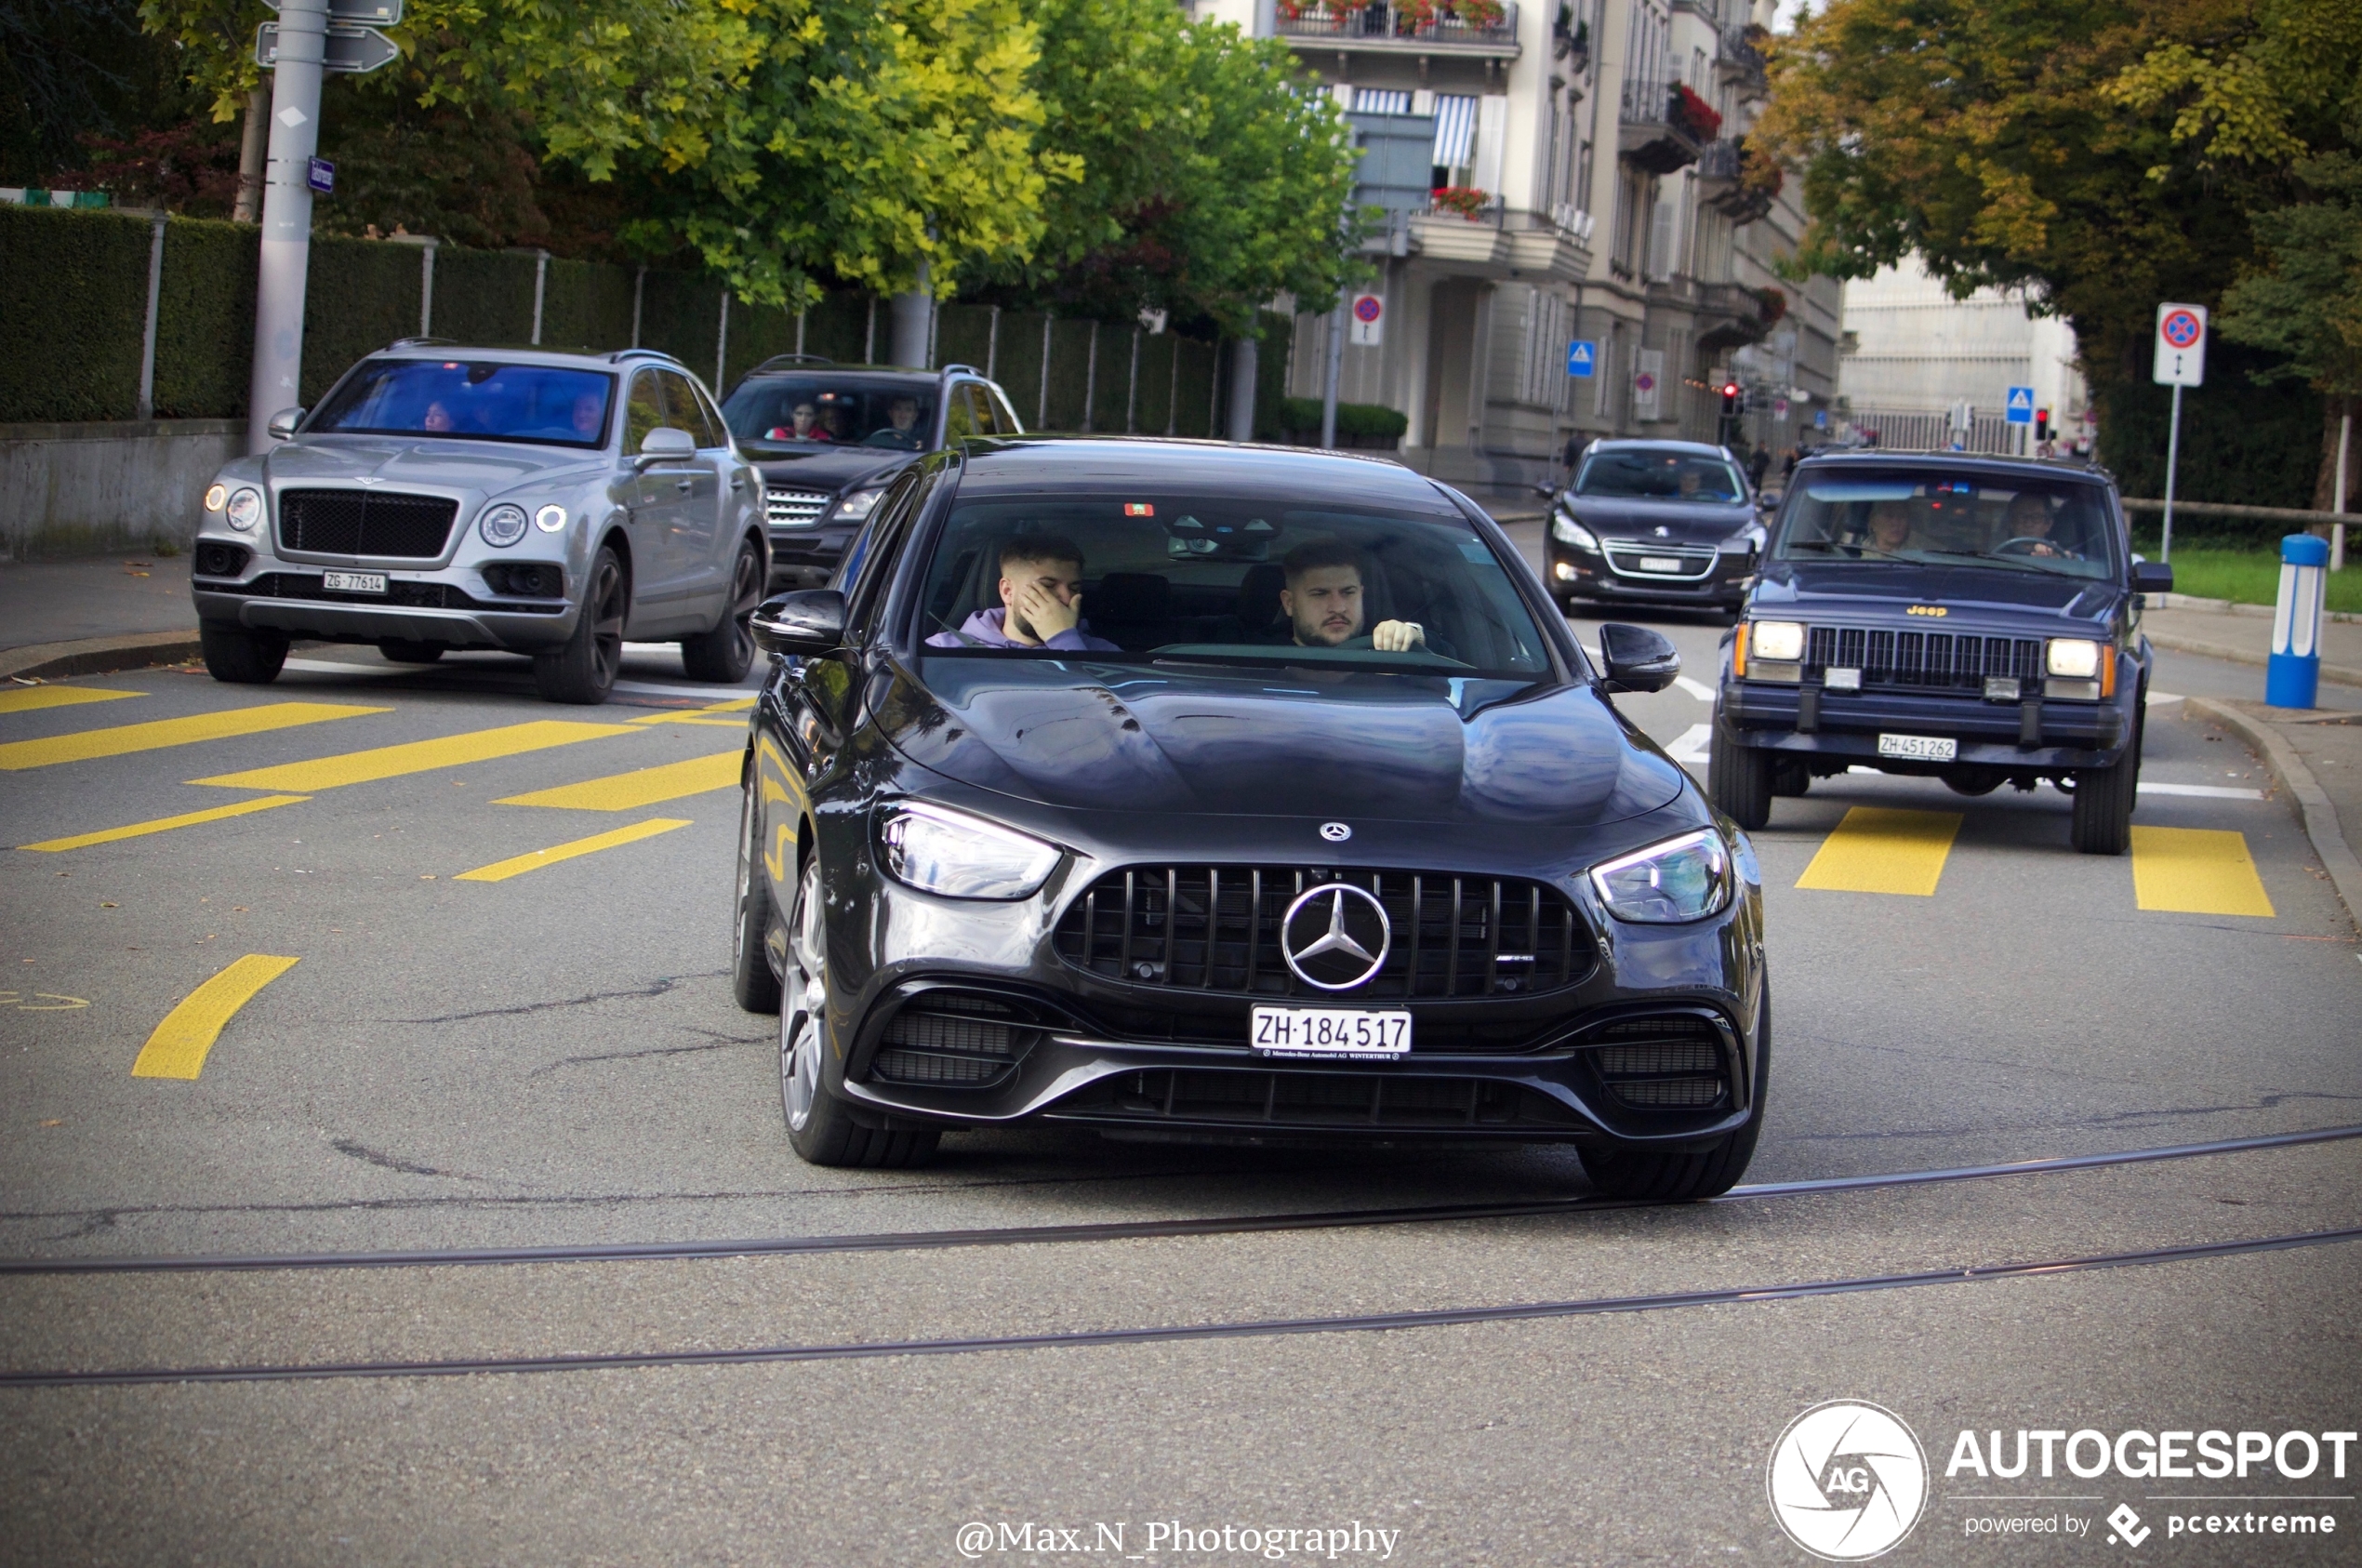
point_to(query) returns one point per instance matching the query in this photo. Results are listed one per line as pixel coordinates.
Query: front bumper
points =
(450, 606)
(2031, 736)
(808, 557)
(1583, 575)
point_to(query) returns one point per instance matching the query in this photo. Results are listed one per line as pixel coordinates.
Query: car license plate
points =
(1660, 564)
(1919, 748)
(353, 582)
(1355, 1034)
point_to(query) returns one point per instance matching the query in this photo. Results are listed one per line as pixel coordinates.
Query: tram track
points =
(914, 1240)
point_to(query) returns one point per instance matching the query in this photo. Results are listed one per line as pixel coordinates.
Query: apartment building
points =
(1922, 368)
(1599, 193)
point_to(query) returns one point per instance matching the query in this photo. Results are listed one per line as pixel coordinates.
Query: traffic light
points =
(1729, 399)
(2041, 424)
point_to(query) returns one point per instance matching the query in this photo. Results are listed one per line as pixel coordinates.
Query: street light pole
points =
(286, 217)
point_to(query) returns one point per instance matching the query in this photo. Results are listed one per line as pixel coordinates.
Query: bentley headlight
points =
(1566, 530)
(551, 518)
(502, 525)
(1781, 641)
(217, 497)
(2074, 659)
(858, 505)
(244, 510)
(1688, 878)
(935, 849)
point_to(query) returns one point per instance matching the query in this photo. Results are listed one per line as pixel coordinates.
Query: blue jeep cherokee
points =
(1968, 619)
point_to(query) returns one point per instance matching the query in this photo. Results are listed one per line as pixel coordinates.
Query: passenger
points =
(1323, 602)
(438, 419)
(2028, 517)
(806, 428)
(1040, 601)
(1889, 526)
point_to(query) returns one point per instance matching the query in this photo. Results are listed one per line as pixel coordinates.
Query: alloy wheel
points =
(805, 987)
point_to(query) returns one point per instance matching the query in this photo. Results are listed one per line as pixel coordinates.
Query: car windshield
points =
(841, 410)
(1949, 517)
(1152, 574)
(1659, 476)
(471, 400)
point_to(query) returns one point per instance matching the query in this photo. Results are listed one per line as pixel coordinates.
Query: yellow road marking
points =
(83, 745)
(1876, 849)
(416, 756)
(25, 699)
(698, 715)
(501, 870)
(629, 792)
(165, 824)
(2196, 870)
(739, 724)
(178, 1047)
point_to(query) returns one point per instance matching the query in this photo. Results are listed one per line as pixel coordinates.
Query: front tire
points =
(820, 1125)
(2103, 802)
(727, 653)
(1738, 779)
(1683, 1178)
(583, 669)
(239, 656)
(752, 980)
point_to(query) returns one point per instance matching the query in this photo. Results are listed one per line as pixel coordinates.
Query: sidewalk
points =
(106, 612)
(2243, 635)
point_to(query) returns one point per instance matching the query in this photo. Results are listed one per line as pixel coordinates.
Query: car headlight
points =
(938, 850)
(502, 525)
(1781, 641)
(551, 518)
(2074, 659)
(1566, 530)
(217, 497)
(857, 506)
(1746, 541)
(244, 510)
(1688, 878)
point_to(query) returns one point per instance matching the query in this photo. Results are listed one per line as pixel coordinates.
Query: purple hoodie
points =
(984, 628)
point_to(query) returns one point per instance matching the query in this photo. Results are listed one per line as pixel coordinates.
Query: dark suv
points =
(830, 438)
(1656, 522)
(1971, 619)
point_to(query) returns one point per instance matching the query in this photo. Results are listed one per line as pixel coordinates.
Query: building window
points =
(1381, 100)
(1455, 125)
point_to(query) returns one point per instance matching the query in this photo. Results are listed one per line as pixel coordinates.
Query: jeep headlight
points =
(858, 505)
(1566, 530)
(935, 849)
(1781, 641)
(501, 526)
(244, 510)
(2074, 659)
(1683, 879)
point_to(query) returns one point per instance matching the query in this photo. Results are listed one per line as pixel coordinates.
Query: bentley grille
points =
(365, 523)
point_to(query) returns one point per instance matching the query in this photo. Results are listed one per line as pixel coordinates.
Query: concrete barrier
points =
(81, 489)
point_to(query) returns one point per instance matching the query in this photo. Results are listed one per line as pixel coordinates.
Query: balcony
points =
(1741, 60)
(1740, 187)
(1381, 28)
(1658, 129)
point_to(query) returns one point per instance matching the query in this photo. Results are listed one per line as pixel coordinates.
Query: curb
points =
(2233, 607)
(99, 655)
(2339, 674)
(2320, 817)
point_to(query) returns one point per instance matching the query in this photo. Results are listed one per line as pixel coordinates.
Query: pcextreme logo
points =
(1847, 1481)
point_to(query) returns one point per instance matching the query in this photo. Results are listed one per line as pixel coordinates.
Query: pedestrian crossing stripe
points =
(30, 700)
(2196, 870)
(1878, 849)
(501, 870)
(124, 739)
(165, 824)
(648, 785)
(416, 756)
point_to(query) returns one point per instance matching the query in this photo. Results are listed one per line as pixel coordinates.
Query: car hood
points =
(821, 466)
(1267, 741)
(1993, 598)
(1684, 522)
(485, 467)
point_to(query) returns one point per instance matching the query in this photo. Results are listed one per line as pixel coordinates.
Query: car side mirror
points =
(2152, 577)
(666, 445)
(1638, 658)
(282, 425)
(802, 625)
(1548, 492)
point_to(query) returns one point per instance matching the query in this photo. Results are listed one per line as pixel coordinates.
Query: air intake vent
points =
(952, 1041)
(365, 523)
(1661, 1063)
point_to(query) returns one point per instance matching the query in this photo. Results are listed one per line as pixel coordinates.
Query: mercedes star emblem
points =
(1336, 937)
(1335, 832)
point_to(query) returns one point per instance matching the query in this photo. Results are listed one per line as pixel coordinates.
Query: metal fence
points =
(1913, 430)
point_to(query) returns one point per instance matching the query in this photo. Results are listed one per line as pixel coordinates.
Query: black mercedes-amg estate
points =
(1182, 791)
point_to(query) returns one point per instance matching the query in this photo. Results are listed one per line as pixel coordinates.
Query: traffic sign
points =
(348, 51)
(320, 175)
(1369, 320)
(1644, 383)
(2020, 405)
(1582, 356)
(364, 13)
(2181, 346)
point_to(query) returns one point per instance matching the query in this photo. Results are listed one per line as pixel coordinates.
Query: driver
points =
(1323, 603)
(2028, 518)
(1040, 601)
(901, 430)
(589, 415)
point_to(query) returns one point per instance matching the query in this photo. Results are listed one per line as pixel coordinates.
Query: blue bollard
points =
(2292, 679)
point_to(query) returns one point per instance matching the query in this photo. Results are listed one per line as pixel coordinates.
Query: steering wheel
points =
(2034, 545)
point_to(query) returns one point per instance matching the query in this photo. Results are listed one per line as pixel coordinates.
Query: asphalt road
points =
(552, 1058)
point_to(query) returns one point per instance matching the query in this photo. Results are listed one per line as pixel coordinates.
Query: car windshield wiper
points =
(2023, 562)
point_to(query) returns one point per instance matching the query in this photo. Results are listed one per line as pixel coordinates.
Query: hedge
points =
(74, 288)
(2241, 442)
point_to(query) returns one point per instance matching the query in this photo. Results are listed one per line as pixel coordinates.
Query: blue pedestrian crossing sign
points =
(1582, 355)
(2021, 405)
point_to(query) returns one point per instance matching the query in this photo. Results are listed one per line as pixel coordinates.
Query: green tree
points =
(2304, 301)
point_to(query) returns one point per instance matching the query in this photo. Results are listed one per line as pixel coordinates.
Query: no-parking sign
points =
(2181, 358)
(1369, 320)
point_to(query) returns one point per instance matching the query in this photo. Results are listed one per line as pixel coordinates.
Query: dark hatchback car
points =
(1305, 820)
(1666, 523)
(829, 438)
(1970, 619)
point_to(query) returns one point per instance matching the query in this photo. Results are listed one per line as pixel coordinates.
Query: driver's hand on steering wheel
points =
(1398, 636)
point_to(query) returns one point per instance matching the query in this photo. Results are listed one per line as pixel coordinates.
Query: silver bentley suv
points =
(442, 498)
